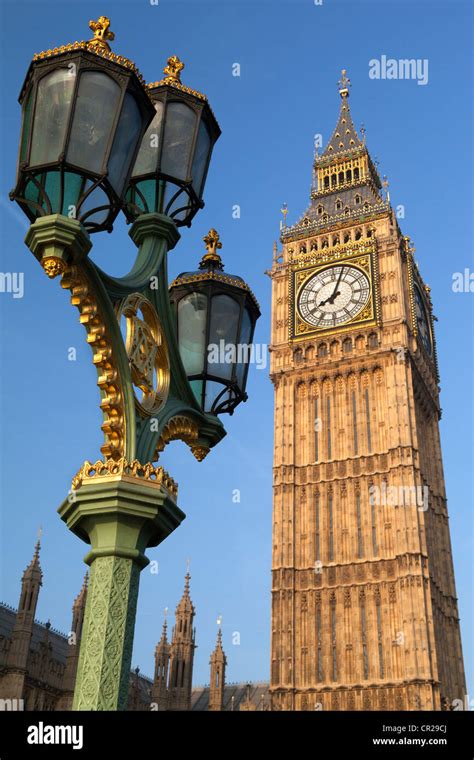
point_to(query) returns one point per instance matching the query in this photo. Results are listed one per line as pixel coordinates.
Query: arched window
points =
(302, 249)
(366, 206)
(347, 237)
(348, 176)
(325, 243)
(347, 346)
(358, 234)
(369, 232)
(314, 245)
(341, 178)
(333, 180)
(357, 199)
(347, 211)
(320, 209)
(322, 350)
(338, 205)
(373, 340)
(326, 181)
(356, 173)
(298, 355)
(335, 239)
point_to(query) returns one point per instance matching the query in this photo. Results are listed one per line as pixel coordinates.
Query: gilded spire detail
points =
(102, 33)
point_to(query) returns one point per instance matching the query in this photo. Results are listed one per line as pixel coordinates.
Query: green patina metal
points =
(120, 517)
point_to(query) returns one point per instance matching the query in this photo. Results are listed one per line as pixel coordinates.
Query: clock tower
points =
(364, 609)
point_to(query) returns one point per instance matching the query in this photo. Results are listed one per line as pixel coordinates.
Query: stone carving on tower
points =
(364, 610)
(182, 653)
(218, 664)
(74, 642)
(12, 683)
(159, 693)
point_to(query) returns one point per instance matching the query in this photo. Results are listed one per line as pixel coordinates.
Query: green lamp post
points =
(96, 140)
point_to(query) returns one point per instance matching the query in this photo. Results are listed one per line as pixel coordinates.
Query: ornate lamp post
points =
(85, 154)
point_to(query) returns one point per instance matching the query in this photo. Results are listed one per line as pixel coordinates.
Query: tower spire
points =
(218, 664)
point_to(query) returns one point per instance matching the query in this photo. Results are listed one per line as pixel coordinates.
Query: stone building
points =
(364, 608)
(38, 663)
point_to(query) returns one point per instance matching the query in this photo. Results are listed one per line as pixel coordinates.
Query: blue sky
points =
(290, 55)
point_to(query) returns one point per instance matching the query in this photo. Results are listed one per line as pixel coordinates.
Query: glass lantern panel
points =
(147, 159)
(201, 155)
(245, 332)
(53, 103)
(96, 106)
(196, 386)
(213, 390)
(125, 143)
(222, 347)
(96, 199)
(26, 125)
(192, 314)
(180, 123)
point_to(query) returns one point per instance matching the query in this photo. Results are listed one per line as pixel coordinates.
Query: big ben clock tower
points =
(364, 609)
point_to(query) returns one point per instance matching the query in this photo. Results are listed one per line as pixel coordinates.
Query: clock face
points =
(422, 321)
(333, 296)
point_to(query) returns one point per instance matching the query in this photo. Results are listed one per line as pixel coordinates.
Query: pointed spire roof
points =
(33, 571)
(218, 652)
(185, 604)
(80, 599)
(345, 137)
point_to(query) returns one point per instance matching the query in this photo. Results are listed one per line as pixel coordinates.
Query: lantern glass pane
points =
(94, 117)
(201, 155)
(245, 332)
(53, 103)
(147, 159)
(26, 125)
(179, 133)
(192, 314)
(223, 336)
(125, 143)
(213, 390)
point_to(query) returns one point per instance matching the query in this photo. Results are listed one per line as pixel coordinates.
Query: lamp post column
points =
(121, 509)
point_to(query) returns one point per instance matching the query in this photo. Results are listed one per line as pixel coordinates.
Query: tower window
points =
(333, 180)
(348, 176)
(314, 245)
(322, 350)
(320, 209)
(357, 200)
(347, 211)
(360, 545)
(373, 340)
(358, 234)
(347, 237)
(326, 182)
(341, 178)
(356, 173)
(347, 346)
(335, 240)
(338, 205)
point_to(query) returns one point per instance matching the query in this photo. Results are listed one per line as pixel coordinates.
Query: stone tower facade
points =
(159, 693)
(74, 641)
(182, 653)
(364, 610)
(12, 684)
(218, 664)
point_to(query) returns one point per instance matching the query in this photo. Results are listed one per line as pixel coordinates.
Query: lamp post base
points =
(121, 509)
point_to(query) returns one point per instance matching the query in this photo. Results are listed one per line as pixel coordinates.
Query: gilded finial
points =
(344, 84)
(102, 33)
(213, 244)
(409, 248)
(173, 69)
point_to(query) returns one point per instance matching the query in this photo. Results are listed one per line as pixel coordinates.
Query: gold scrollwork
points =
(109, 382)
(147, 353)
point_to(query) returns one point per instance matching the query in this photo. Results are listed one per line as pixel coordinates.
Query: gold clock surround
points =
(305, 267)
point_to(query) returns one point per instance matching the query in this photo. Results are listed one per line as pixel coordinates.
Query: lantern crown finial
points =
(102, 33)
(211, 259)
(173, 69)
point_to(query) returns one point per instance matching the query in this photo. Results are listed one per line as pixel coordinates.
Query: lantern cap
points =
(98, 45)
(172, 71)
(212, 268)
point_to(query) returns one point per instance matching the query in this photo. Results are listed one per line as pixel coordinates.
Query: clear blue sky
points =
(291, 55)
